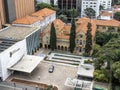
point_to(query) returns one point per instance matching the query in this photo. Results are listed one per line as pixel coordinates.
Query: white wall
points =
(7, 61)
(0, 69)
(105, 17)
(45, 1)
(106, 3)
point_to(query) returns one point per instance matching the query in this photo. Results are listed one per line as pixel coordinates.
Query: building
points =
(15, 43)
(14, 9)
(2, 14)
(18, 8)
(63, 32)
(40, 18)
(95, 5)
(106, 15)
(45, 1)
(106, 4)
(67, 4)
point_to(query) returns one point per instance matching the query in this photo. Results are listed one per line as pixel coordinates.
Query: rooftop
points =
(44, 12)
(85, 70)
(27, 64)
(16, 32)
(4, 44)
(26, 20)
(85, 85)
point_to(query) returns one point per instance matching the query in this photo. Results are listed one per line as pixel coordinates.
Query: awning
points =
(27, 64)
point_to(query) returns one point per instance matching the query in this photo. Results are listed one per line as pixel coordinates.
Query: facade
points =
(106, 4)
(95, 5)
(63, 32)
(106, 15)
(45, 1)
(15, 42)
(13, 9)
(2, 14)
(67, 4)
(40, 18)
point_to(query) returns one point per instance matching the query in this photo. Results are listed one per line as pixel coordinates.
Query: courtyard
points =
(41, 75)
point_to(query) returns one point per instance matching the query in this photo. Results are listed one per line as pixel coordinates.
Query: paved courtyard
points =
(57, 78)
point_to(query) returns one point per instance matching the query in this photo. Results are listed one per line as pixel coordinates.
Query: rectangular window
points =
(80, 42)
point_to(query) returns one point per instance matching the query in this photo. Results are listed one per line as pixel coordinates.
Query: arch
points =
(58, 47)
(45, 46)
(65, 48)
(62, 48)
(48, 46)
(80, 49)
(41, 45)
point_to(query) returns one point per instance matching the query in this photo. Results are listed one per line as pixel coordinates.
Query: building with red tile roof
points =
(63, 32)
(40, 18)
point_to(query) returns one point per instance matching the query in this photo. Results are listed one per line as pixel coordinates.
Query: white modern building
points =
(45, 1)
(106, 15)
(15, 43)
(40, 18)
(95, 5)
(106, 4)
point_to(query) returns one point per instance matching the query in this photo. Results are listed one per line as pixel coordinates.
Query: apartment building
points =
(45, 1)
(95, 5)
(67, 4)
(106, 3)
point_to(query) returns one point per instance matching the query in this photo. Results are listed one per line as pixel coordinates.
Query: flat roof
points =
(5, 87)
(16, 32)
(85, 70)
(4, 44)
(27, 64)
(83, 84)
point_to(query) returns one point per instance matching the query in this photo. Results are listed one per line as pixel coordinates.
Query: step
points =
(64, 62)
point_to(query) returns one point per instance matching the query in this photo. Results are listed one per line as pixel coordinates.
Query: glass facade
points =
(33, 42)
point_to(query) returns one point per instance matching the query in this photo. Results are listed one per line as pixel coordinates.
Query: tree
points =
(116, 70)
(88, 46)
(72, 34)
(89, 12)
(63, 17)
(117, 16)
(52, 37)
(96, 48)
(101, 7)
(44, 5)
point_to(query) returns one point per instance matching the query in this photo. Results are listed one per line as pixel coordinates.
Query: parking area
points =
(57, 78)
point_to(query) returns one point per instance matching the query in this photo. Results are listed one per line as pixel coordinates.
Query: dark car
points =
(51, 69)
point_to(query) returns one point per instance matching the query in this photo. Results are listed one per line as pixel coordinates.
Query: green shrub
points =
(100, 75)
(88, 61)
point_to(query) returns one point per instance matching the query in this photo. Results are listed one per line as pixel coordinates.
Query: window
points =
(84, 42)
(77, 41)
(80, 42)
(103, 27)
(97, 27)
(81, 35)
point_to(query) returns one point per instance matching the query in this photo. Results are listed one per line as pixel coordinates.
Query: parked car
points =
(51, 69)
